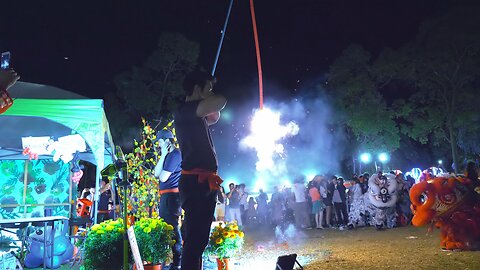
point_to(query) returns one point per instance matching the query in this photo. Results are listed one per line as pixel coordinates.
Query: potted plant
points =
(155, 241)
(103, 247)
(226, 240)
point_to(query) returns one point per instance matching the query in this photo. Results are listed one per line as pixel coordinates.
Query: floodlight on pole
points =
(440, 162)
(383, 157)
(365, 157)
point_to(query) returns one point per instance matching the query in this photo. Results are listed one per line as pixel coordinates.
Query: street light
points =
(440, 162)
(383, 157)
(365, 158)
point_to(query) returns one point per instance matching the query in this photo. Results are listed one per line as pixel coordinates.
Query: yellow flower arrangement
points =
(104, 245)
(226, 240)
(155, 240)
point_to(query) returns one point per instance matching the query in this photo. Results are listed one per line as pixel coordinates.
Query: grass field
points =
(364, 248)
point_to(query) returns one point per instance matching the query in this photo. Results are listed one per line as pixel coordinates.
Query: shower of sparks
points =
(266, 133)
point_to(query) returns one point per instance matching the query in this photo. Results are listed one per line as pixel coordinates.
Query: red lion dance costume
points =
(452, 205)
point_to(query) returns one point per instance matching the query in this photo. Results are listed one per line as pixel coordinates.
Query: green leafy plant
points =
(5, 243)
(155, 240)
(104, 246)
(226, 240)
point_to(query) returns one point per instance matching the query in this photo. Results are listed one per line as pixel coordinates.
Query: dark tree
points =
(152, 90)
(444, 65)
(354, 80)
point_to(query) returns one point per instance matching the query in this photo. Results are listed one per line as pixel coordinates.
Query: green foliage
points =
(153, 89)
(444, 68)
(355, 82)
(437, 76)
(104, 246)
(155, 240)
(225, 241)
(5, 242)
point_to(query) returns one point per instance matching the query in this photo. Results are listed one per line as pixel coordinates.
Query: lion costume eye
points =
(423, 198)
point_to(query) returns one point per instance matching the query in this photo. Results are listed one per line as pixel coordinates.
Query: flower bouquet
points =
(103, 246)
(155, 240)
(226, 240)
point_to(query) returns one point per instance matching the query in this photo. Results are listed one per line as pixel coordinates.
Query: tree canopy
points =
(153, 89)
(354, 80)
(437, 81)
(444, 67)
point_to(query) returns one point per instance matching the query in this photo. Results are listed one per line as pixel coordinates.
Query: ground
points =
(364, 248)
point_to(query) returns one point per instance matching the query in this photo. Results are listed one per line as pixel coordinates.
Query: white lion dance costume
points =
(356, 215)
(380, 201)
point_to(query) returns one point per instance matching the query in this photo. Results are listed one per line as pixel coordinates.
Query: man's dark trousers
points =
(170, 211)
(198, 202)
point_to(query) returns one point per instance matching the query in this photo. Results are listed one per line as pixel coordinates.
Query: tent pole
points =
(96, 196)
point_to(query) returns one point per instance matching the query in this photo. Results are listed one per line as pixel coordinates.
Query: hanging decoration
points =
(77, 169)
(31, 154)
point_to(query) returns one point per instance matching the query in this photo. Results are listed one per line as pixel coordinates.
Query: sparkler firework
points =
(265, 133)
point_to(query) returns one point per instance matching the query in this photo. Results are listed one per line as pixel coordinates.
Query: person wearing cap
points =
(199, 182)
(168, 170)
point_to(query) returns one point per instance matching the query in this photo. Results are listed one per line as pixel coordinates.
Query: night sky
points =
(81, 45)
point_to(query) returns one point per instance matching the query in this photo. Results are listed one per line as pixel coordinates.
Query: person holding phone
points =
(168, 171)
(234, 204)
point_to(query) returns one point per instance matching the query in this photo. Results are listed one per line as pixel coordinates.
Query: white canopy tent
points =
(42, 110)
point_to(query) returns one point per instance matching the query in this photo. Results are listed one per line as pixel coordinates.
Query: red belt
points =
(212, 178)
(171, 190)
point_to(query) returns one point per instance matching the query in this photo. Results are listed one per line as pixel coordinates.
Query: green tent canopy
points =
(41, 110)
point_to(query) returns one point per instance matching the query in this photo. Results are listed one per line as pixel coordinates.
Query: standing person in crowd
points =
(103, 212)
(262, 207)
(317, 204)
(234, 204)
(410, 181)
(289, 199)
(104, 200)
(323, 193)
(243, 202)
(277, 206)
(251, 211)
(168, 172)
(363, 183)
(404, 212)
(302, 217)
(199, 181)
(472, 174)
(366, 177)
(220, 208)
(340, 203)
(330, 187)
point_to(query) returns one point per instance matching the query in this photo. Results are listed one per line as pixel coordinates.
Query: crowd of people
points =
(323, 202)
